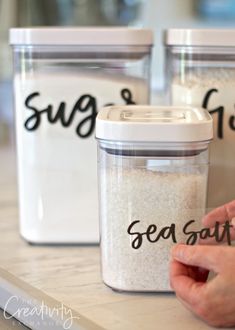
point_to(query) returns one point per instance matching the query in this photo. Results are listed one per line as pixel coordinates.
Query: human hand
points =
(212, 301)
(221, 215)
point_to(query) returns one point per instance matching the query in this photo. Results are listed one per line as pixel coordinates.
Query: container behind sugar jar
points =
(153, 167)
(200, 68)
(62, 77)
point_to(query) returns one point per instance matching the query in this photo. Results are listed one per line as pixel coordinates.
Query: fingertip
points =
(172, 251)
(207, 220)
(204, 220)
(175, 248)
(177, 251)
(233, 222)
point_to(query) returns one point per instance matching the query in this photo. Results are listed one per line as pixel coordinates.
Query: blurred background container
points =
(155, 14)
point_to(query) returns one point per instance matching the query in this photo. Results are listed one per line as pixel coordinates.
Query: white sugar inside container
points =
(153, 168)
(62, 77)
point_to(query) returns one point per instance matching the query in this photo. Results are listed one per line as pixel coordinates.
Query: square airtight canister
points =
(153, 169)
(62, 77)
(200, 71)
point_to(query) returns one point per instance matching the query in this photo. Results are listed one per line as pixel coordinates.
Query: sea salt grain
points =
(153, 197)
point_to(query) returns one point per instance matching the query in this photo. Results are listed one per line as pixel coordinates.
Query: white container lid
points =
(87, 36)
(154, 124)
(200, 37)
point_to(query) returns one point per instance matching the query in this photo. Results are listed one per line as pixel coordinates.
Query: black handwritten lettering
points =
(151, 230)
(206, 233)
(220, 233)
(226, 233)
(219, 111)
(164, 233)
(35, 118)
(192, 235)
(232, 123)
(127, 96)
(85, 104)
(137, 242)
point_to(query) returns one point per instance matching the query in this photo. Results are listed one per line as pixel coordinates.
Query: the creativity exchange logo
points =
(40, 313)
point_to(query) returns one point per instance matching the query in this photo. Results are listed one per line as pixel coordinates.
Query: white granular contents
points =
(57, 168)
(153, 198)
(190, 89)
(207, 77)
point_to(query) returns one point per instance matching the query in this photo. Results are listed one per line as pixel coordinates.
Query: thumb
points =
(208, 257)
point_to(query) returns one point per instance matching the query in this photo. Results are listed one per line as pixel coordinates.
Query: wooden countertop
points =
(72, 274)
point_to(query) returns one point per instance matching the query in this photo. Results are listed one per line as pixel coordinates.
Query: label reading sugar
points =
(86, 104)
(57, 163)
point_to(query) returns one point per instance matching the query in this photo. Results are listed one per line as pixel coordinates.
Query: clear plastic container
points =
(62, 76)
(200, 70)
(153, 168)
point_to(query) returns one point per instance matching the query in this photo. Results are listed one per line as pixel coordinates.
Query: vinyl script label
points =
(220, 233)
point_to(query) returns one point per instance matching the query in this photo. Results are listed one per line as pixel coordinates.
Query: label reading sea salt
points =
(220, 233)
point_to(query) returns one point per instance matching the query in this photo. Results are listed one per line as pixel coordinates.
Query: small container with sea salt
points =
(153, 169)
